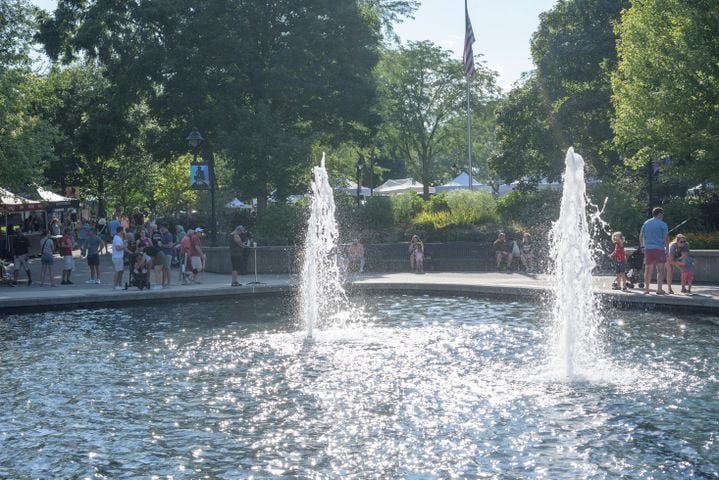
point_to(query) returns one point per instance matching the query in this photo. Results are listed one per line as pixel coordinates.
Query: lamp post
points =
(360, 166)
(194, 139)
(372, 161)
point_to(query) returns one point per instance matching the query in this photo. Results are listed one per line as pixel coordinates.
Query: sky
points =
(502, 30)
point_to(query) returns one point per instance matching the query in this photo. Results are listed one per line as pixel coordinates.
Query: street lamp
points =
(360, 166)
(194, 139)
(372, 161)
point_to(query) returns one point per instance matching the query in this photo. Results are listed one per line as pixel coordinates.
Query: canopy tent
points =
(56, 201)
(402, 185)
(350, 187)
(237, 203)
(461, 182)
(11, 202)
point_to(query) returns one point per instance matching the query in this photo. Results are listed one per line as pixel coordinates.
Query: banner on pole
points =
(199, 176)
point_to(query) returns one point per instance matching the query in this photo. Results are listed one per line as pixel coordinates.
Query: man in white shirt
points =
(118, 257)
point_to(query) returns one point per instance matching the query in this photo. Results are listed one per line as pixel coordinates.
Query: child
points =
(66, 244)
(620, 262)
(687, 272)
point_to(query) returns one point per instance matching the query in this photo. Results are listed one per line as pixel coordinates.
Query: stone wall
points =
(394, 257)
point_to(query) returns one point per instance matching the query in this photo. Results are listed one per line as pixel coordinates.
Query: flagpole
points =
(469, 135)
(468, 72)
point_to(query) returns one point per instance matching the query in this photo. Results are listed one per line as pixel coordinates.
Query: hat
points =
(199, 230)
(190, 231)
(102, 221)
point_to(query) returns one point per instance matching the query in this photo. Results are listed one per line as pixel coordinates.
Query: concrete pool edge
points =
(535, 288)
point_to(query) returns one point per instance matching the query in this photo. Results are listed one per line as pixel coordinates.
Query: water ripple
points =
(422, 388)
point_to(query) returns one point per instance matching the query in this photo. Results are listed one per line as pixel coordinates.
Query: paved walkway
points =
(82, 295)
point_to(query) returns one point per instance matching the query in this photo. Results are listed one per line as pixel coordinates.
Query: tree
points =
(666, 89)
(261, 80)
(25, 136)
(422, 90)
(567, 100)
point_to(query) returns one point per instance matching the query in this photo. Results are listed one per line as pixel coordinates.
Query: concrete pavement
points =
(81, 295)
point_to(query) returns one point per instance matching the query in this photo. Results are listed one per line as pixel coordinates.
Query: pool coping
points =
(485, 284)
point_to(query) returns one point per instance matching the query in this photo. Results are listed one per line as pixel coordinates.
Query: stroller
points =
(635, 262)
(139, 275)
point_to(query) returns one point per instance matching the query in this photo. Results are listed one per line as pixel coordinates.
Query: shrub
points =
(282, 224)
(437, 203)
(530, 210)
(676, 210)
(469, 208)
(405, 207)
(702, 240)
(622, 210)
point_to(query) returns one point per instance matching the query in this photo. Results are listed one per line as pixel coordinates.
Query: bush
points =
(702, 240)
(282, 224)
(530, 210)
(622, 211)
(437, 203)
(470, 208)
(676, 210)
(405, 207)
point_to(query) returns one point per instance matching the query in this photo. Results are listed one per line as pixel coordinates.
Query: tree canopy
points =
(666, 88)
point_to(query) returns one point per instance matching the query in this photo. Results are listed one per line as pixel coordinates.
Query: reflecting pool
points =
(425, 387)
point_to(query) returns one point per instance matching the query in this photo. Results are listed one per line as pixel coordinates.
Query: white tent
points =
(237, 203)
(461, 182)
(11, 202)
(49, 196)
(350, 187)
(402, 185)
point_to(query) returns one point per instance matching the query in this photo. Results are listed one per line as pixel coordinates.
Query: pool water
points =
(423, 387)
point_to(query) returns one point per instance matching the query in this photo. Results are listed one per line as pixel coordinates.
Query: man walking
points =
(654, 237)
(168, 248)
(20, 247)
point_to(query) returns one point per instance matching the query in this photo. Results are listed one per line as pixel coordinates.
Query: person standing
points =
(526, 254)
(20, 248)
(112, 229)
(83, 231)
(356, 254)
(654, 237)
(620, 261)
(687, 271)
(237, 258)
(168, 248)
(118, 258)
(185, 265)
(66, 251)
(196, 255)
(94, 245)
(47, 250)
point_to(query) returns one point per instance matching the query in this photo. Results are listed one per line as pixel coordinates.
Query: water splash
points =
(323, 300)
(575, 345)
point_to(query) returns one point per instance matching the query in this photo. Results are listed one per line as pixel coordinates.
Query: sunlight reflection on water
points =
(423, 388)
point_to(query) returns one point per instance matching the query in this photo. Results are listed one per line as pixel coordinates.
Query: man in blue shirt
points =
(654, 237)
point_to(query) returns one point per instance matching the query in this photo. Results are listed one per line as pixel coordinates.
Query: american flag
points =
(468, 41)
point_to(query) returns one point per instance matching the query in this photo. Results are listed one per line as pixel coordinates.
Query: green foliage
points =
(405, 207)
(703, 240)
(676, 210)
(622, 210)
(666, 88)
(531, 210)
(281, 224)
(422, 89)
(437, 203)
(469, 207)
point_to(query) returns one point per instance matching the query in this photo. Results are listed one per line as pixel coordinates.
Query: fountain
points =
(575, 347)
(322, 296)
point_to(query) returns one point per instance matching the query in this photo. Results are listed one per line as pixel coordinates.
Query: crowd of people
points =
(143, 247)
